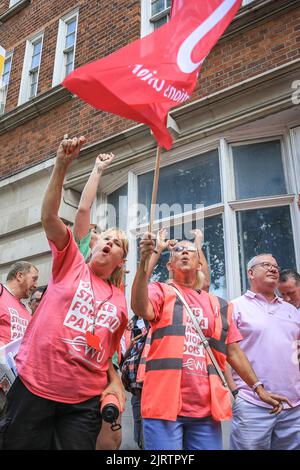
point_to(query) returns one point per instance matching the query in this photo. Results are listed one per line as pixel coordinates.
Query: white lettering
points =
(18, 324)
(296, 94)
(184, 56)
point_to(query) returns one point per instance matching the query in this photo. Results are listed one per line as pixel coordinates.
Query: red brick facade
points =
(105, 26)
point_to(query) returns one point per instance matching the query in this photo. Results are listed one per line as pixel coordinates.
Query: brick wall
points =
(104, 27)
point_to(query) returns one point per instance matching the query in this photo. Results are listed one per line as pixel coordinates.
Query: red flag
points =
(145, 79)
(175, 7)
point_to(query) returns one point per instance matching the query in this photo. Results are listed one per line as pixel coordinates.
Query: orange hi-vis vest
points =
(140, 377)
(161, 397)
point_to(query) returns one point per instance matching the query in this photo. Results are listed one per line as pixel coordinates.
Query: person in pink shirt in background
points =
(64, 362)
(21, 280)
(271, 332)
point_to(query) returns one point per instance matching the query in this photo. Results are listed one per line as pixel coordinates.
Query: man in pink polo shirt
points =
(270, 328)
(64, 362)
(14, 317)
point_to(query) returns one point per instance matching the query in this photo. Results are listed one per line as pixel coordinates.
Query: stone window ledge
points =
(33, 108)
(14, 10)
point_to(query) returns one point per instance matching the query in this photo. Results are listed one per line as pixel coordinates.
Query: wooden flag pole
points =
(155, 187)
(154, 195)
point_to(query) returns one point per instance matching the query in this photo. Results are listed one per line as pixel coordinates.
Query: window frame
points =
(8, 56)
(228, 207)
(59, 71)
(24, 94)
(148, 20)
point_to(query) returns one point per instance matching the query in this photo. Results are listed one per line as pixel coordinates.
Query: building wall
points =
(104, 27)
(243, 95)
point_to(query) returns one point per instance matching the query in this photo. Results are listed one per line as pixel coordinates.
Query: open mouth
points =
(106, 249)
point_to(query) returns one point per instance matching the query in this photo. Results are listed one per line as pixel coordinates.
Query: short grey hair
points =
(253, 260)
(19, 267)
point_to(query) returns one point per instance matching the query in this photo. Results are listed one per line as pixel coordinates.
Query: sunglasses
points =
(180, 248)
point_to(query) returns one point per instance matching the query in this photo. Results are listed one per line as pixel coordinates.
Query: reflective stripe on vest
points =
(164, 364)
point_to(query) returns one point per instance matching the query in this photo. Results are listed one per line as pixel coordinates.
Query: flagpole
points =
(155, 187)
(154, 195)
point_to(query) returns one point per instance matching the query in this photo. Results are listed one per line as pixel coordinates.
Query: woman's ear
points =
(121, 263)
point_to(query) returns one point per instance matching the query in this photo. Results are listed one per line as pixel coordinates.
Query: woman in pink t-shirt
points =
(64, 363)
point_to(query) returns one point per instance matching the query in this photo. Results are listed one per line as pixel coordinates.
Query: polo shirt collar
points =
(252, 295)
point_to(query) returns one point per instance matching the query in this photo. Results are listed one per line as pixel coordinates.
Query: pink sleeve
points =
(233, 333)
(157, 298)
(65, 260)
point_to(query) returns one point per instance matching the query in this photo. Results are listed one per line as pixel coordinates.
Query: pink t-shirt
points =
(54, 360)
(195, 387)
(14, 317)
(271, 337)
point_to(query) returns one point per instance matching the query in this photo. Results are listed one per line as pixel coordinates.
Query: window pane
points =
(69, 61)
(70, 39)
(69, 68)
(3, 92)
(69, 57)
(6, 71)
(33, 90)
(37, 48)
(182, 186)
(117, 208)
(214, 252)
(71, 26)
(258, 170)
(35, 61)
(265, 231)
(157, 6)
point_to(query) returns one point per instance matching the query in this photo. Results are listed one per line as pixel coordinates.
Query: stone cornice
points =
(14, 10)
(33, 108)
(257, 12)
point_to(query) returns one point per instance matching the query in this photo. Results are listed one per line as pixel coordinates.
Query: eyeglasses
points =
(267, 266)
(184, 248)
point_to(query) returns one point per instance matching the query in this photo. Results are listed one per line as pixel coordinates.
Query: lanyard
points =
(100, 305)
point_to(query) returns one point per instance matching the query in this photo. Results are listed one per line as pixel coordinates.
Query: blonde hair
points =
(117, 276)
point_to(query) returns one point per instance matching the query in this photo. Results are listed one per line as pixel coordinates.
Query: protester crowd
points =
(190, 359)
